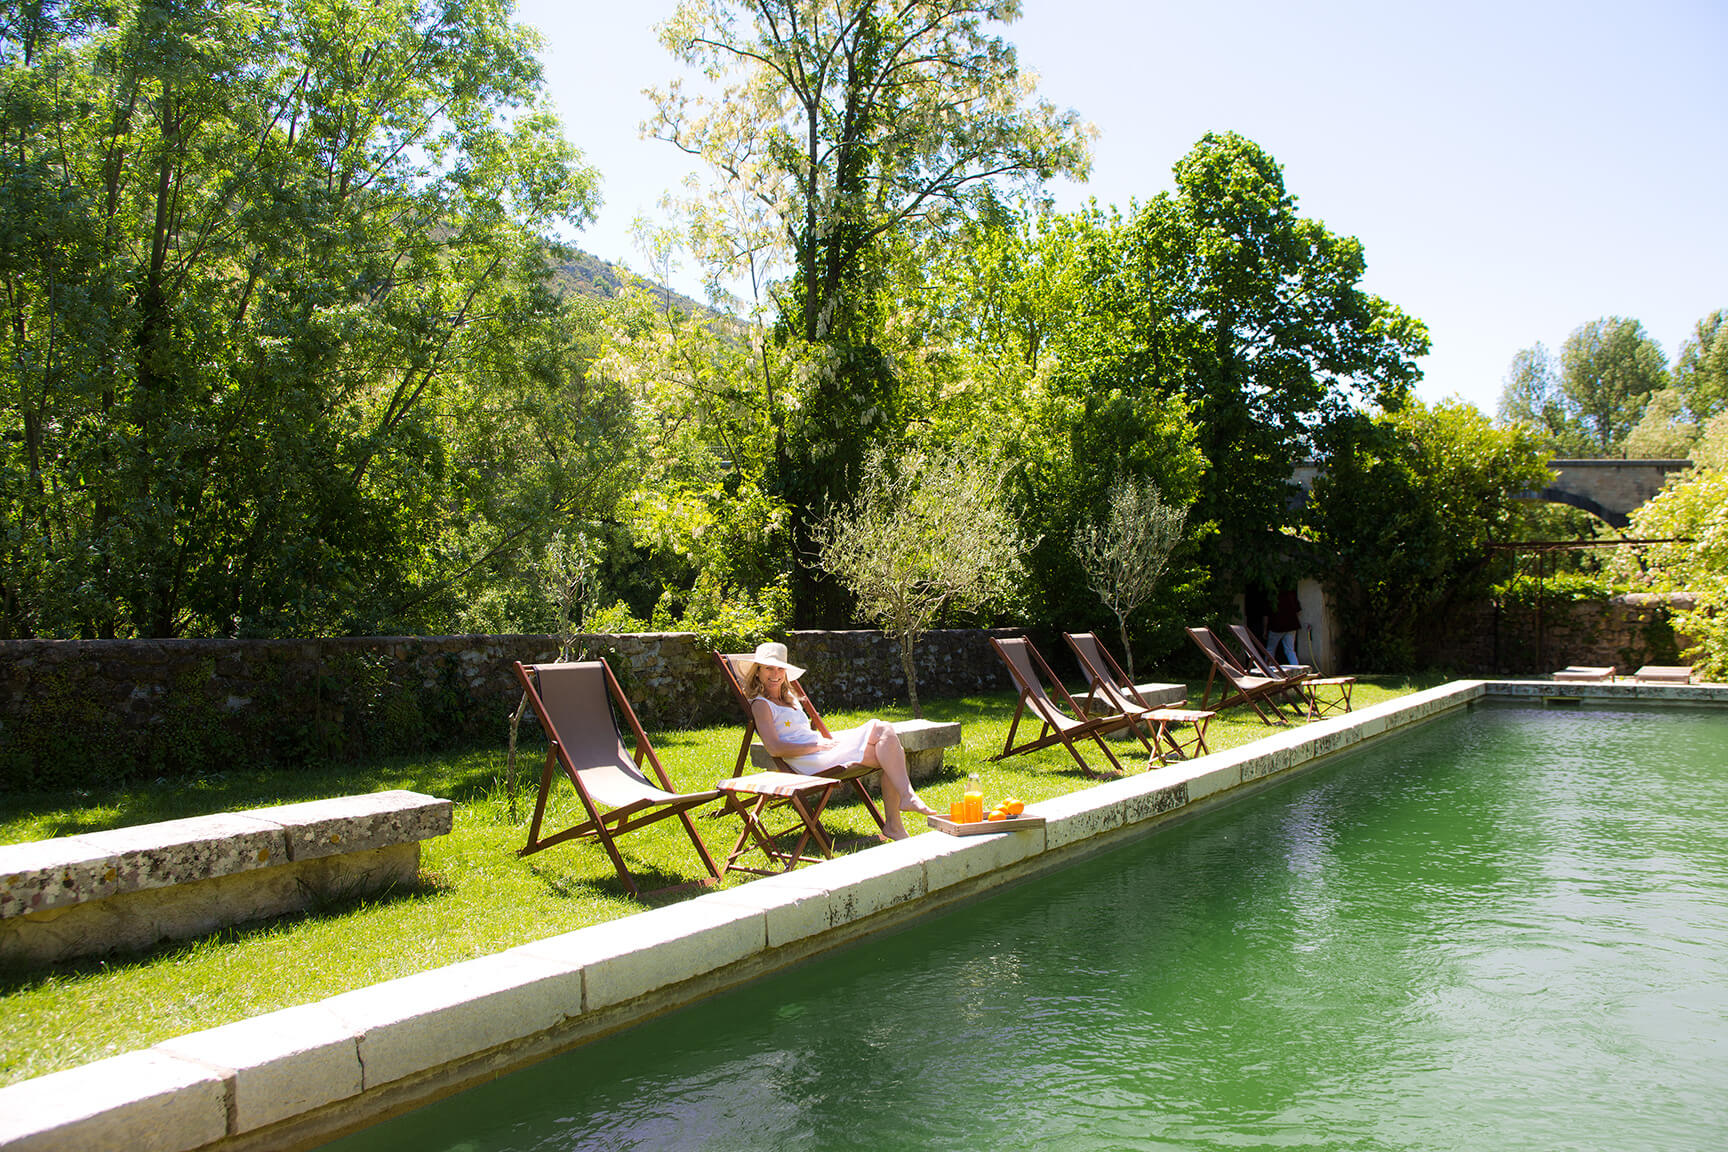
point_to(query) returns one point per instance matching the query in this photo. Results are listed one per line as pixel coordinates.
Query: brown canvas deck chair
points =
(1029, 673)
(1244, 687)
(1305, 684)
(1107, 682)
(574, 705)
(853, 774)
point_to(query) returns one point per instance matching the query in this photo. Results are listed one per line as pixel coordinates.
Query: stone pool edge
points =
(301, 1076)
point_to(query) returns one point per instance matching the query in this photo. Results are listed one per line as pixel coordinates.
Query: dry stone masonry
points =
(87, 711)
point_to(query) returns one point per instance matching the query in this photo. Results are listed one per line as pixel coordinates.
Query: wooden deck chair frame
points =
(1244, 687)
(1029, 672)
(1306, 684)
(590, 752)
(1105, 680)
(853, 774)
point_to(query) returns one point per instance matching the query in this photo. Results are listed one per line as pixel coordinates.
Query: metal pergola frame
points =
(1542, 547)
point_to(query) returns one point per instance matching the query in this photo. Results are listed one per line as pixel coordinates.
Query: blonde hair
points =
(753, 689)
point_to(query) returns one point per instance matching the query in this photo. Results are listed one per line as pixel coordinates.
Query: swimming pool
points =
(1502, 930)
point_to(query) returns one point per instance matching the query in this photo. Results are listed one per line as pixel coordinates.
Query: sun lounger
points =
(854, 774)
(1663, 674)
(574, 703)
(1304, 683)
(1258, 692)
(1029, 673)
(1578, 674)
(1109, 684)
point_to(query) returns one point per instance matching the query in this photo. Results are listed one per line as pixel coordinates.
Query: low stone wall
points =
(92, 711)
(1624, 631)
(128, 888)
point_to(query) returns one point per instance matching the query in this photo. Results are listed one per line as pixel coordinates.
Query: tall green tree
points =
(279, 354)
(928, 534)
(1222, 295)
(1609, 368)
(848, 129)
(1701, 368)
(1693, 508)
(1532, 397)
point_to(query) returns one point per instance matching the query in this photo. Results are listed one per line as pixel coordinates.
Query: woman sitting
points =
(787, 733)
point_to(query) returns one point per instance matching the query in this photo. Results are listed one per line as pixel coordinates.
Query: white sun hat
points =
(774, 655)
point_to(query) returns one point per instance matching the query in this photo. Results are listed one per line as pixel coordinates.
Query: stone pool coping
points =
(298, 1077)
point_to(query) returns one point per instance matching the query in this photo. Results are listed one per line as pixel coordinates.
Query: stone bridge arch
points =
(1608, 489)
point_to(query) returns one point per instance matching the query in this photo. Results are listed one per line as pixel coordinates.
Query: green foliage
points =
(1532, 398)
(1403, 515)
(280, 356)
(1221, 295)
(1557, 588)
(1125, 553)
(1609, 370)
(928, 535)
(1662, 432)
(1694, 508)
(1701, 369)
(844, 135)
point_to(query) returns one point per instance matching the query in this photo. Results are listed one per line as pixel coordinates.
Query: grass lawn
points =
(475, 895)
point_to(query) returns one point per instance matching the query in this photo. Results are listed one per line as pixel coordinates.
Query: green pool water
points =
(1505, 930)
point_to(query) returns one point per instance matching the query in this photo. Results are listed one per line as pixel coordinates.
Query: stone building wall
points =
(77, 711)
(1626, 632)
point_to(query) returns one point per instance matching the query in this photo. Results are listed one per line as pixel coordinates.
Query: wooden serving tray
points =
(980, 827)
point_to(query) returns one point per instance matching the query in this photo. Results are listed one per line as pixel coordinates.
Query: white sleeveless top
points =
(792, 726)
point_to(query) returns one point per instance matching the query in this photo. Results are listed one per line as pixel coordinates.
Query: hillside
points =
(589, 275)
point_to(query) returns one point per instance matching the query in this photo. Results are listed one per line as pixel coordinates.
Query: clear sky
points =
(1513, 168)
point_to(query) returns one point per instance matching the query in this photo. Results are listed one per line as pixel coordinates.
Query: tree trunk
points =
(1127, 652)
(911, 676)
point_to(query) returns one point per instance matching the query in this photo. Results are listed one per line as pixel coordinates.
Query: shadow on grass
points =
(464, 777)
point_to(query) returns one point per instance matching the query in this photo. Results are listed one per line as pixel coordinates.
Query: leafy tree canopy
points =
(1222, 296)
(1608, 370)
(1694, 508)
(279, 354)
(1701, 369)
(1403, 515)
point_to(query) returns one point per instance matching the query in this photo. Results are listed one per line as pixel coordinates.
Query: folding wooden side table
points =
(1195, 745)
(805, 795)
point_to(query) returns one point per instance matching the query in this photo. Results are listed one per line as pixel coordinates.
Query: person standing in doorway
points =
(1282, 626)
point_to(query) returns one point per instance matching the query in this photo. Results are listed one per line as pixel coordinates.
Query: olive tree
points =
(927, 533)
(1125, 553)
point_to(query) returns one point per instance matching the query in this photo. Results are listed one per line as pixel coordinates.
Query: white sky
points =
(1513, 168)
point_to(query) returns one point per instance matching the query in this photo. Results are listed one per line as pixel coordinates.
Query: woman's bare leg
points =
(884, 751)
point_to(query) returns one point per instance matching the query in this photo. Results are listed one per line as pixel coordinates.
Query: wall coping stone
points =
(41, 875)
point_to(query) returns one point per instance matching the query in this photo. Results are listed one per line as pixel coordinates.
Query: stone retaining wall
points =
(1624, 631)
(93, 711)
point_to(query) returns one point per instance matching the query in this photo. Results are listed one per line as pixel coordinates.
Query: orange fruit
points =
(1013, 807)
(997, 815)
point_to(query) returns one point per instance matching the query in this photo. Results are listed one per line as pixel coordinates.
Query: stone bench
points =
(128, 888)
(922, 739)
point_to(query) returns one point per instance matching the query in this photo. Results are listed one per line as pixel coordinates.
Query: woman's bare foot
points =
(894, 831)
(914, 804)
